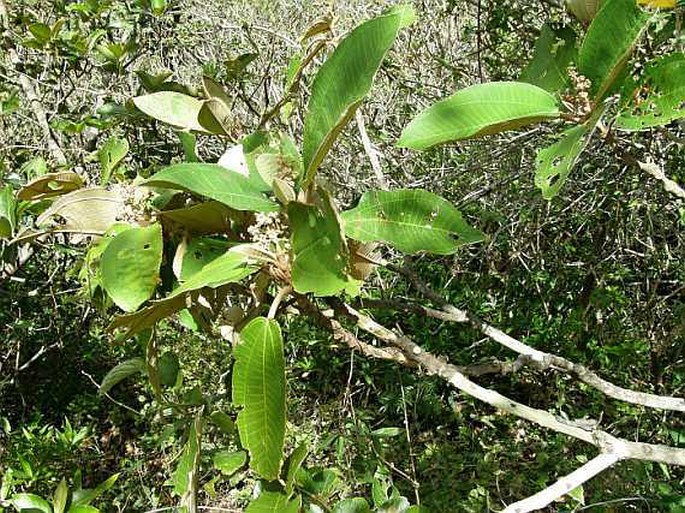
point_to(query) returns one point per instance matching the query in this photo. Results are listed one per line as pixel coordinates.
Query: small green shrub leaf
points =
(344, 80)
(664, 80)
(294, 464)
(83, 508)
(410, 220)
(609, 42)
(110, 156)
(176, 109)
(356, 505)
(30, 502)
(84, 496)
(274, 502)
(319, 251)
(59, 500)
(8, 212)
(555, 50)
(259, 387)
(479, 110)
(130, 266)
(214, 182)
(121, 372)
(229, 462)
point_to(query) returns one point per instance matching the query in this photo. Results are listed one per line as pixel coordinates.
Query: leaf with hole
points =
(49, 185)
(554, 51)
(554, 163)
(479, 110)
(411, 220)
(320, 254)
(609, 41)
(214, 182)
(185, 476)
(122, 371)
(344, 80)
(659, 97)
(259, 387)
(130, 266)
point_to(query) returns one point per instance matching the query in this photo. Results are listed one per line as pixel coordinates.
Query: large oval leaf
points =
(343, 81)
(664, 85)
(609, 42)
(92, 211)
(214, 182)
(179, 110)
(410, 220)
(259, 387)
(479, 110)
(130, 266)
(319, 250)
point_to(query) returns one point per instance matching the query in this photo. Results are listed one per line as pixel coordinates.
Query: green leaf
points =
(30, 502)
(294, 463)
(168, 369)
(555, 50)
(664, 85)
(51, 184)
(356, 505)
(229, 462)
(344, 80)
(158, 7)
(237, 263)
(319, 251)
(184, 477)
(83, 508)
(8, 212)
(130, 266)
(223, 422)
(479, 110)
(609, 42)
(110, 156)
(177, 109)
(59, 500)
(554, 163)
(91, 211)
(274, 502)
(411, 220)
(199, 252)
(214, 182)
(259, 387)
(85, 496)
(121, 372)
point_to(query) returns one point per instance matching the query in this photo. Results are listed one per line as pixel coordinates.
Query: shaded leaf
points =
(659, 98)
(130, 266)
(294, 464)
(199, 252)
(554, 163)
(214, 182)
(110, 156)
(92, 210)
(121, 372)
(259, 387)
(555, 50)
(274, 502)
(8, 212)
(479, 110)
(51, 184)
(319, 251)
(203, 218)
(168, 369)
(356, 505)
(609, 42)
(410, 220)
(223, 422)
(344, 80)
(229, 462)
(85, 496)
(185, 476)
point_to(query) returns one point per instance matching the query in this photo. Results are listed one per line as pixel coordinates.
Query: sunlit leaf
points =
(410, 220)
(555, 49)
(130, 266)
(84, 496)
(320, 255)
(8, 212)
(122, 371)
(51, 184)
(30, 502)
(344, 80)
(259, 387)
(59, 499)
(201, 251)
(554, 163)
(479, 110)
(214, 182)
(274, 502)
(356, 505)
(92, 210)
(110, 156)
(609, 42)
(176, 109)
